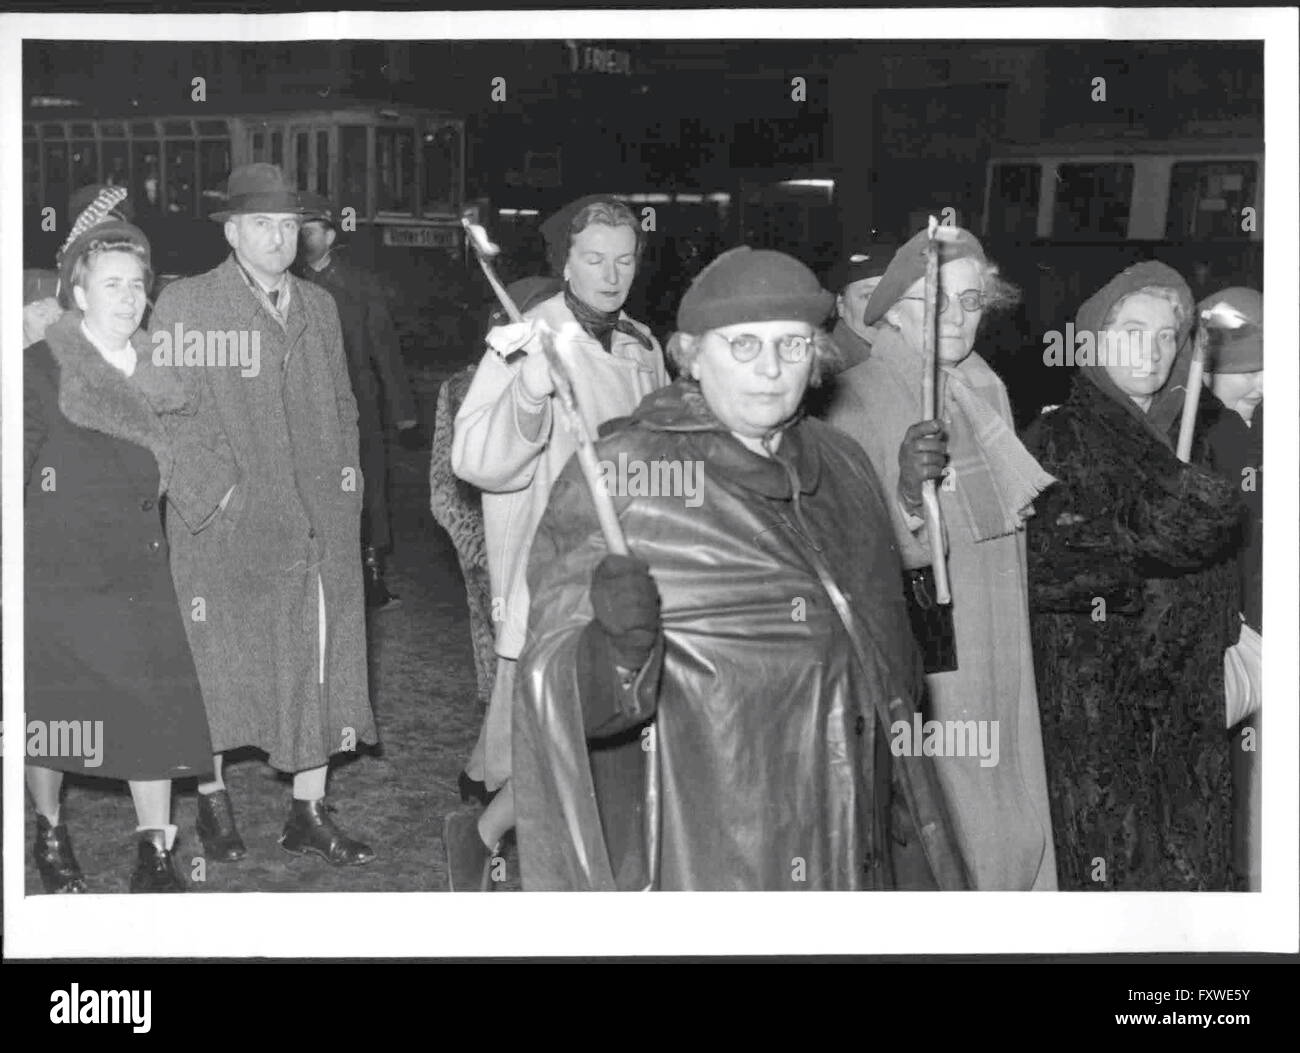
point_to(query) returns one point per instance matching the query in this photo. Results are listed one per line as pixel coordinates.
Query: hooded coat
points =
(104, 638)
(769, 756)
(291, 433)
(1135, 596)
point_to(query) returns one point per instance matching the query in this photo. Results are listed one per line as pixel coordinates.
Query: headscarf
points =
(1167, 403)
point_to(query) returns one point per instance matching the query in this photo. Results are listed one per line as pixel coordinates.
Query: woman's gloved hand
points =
(625, 605)
(922, 456)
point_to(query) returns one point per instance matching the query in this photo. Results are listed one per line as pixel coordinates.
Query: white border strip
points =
(432, 924)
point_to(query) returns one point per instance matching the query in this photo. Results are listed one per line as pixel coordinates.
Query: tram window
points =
(214, 169)
(441, 168)
(143, 130)
(146, 189)
(85, 168)
(1092, 202)
(323, 163)
(112, 130)
(116, 164)
(181, 160)
(1013, 200)
(257, 146)
(395, 168)
(1206, 198)
(177, 128)
(57, 190)
(352, 154)
(277, 148)
(214, 128)
(302, 159)
(83, 131)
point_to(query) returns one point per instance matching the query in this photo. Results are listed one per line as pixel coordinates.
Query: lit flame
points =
(482, 243)
(1223, 316)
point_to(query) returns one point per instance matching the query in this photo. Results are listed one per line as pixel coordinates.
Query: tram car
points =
(1062, 217)
(394, 173)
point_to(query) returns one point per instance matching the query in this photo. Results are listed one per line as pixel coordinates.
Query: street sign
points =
(420, 237)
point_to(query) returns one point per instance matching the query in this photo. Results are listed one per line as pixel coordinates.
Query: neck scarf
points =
(995, 477)
(601, 325)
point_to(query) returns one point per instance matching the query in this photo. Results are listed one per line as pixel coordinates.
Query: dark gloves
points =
(625, 605)
(922, 456)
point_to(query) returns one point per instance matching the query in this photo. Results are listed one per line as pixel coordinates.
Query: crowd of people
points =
(746, 678)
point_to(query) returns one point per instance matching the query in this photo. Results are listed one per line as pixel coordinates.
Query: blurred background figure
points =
(1235, 373)
(379, 380)
(989, 481)
(855, 278)
(1135, 597)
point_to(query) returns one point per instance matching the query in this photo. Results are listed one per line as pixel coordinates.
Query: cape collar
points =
(680, 407)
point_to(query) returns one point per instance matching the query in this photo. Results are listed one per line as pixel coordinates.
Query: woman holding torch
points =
(1135, 598)
(511, 444)
(988, 480)
(750, 654)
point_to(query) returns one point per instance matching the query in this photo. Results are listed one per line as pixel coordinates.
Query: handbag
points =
(931, 622)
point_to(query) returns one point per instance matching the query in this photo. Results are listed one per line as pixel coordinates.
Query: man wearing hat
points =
(272, 590)
(1237, 380)
(375, 365)
(856, 277)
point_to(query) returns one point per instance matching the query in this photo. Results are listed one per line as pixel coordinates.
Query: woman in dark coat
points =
(1134, 598)
(758, 623)
(110, 684)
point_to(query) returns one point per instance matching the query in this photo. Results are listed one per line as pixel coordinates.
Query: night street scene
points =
(916, 546)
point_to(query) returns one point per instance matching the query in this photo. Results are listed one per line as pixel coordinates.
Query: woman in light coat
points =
(510, 443)
(1000, 809)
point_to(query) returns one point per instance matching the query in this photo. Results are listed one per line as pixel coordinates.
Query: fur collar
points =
(95, 395)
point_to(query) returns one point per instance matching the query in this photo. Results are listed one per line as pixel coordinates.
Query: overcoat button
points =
(146, 504)
(154, 546)
(860, 725)
(312, 533)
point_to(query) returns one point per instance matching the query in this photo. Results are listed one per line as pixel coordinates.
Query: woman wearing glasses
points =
(998, 795)
(751, 651)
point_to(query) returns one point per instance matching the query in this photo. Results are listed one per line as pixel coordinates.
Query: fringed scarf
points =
(94, 394)
(601, 325)
(996, 479)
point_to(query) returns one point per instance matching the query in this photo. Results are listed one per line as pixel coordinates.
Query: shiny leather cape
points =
(770, 711)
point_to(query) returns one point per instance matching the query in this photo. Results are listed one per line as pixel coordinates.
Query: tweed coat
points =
(291, 430)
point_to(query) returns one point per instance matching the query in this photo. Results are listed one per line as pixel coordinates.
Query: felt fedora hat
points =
(259, 187)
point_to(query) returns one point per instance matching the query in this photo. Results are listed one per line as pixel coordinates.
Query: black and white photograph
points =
(744, 452)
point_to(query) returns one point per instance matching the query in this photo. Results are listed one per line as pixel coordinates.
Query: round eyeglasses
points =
(971, 300)
(791, 348)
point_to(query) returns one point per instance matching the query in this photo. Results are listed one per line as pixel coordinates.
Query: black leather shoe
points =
(474, 790)
(469, 860)
(310, 829)
(216, 828)
(54, 859)
(155, 869)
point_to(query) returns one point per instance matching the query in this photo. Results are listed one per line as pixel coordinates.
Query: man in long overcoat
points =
(379, 380)
(268, 572)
